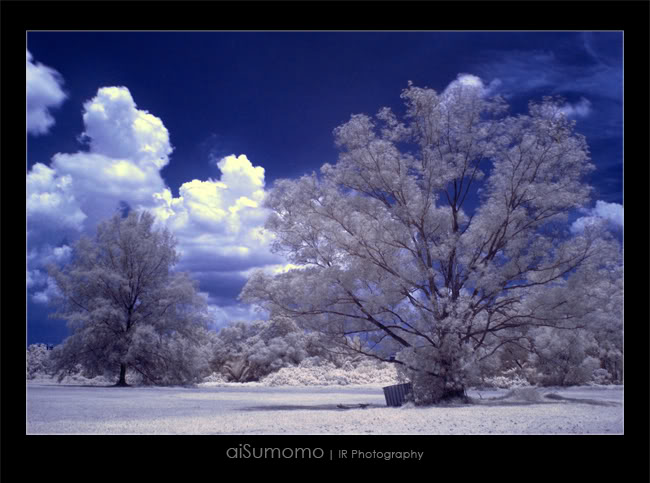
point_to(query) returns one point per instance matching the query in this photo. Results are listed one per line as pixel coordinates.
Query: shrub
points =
(38, 361)
(315, 372)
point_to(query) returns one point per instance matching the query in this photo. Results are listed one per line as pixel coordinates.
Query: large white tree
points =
(127, 309)
(440, 237)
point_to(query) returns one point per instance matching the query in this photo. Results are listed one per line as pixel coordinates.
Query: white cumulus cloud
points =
(52, 206)
(127, 149)
(35, 278)
(219, 227)
(219, 223)
(582, 108)
(44, 296)
(464, 82)
(604, 212)
(221, 316)
(118, 130)
(470, 83)
(44, 92)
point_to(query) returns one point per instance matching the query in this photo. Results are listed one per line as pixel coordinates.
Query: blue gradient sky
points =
(275, 98)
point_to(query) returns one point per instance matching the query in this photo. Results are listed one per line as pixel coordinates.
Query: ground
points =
(257, 409)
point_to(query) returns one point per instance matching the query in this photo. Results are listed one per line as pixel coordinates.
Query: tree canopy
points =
(127, 309)
(441, 237)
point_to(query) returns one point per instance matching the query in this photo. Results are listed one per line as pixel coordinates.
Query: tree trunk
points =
(122, 381)
(454, 394)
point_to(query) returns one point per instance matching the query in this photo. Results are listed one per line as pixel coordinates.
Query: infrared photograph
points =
(324, 233)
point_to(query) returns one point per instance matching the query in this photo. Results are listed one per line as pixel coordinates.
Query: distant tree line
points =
(249, 351)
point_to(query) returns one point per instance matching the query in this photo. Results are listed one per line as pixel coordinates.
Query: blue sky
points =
(196, 126)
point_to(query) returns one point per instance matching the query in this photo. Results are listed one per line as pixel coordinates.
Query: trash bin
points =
(396, 395)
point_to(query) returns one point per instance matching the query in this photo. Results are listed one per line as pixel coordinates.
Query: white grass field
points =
(252, 408)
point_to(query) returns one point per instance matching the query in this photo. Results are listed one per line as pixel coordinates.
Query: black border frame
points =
(466, 457)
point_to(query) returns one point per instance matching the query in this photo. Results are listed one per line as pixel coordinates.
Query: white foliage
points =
(507, 380)
(127, 309)
(38, 361)
(249, 351)
(214, 379)
(387, 251)
(312, 372)
(565, 358)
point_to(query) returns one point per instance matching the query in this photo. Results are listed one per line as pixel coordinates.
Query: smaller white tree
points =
(127, 309)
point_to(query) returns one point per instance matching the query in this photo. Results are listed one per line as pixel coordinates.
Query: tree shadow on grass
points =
(551, 398)
(593, 402)
(311, 407)
(78, 385)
